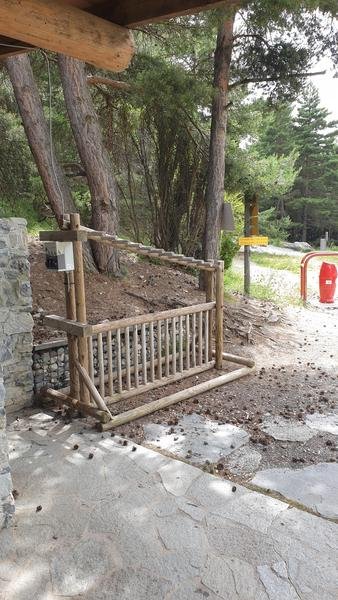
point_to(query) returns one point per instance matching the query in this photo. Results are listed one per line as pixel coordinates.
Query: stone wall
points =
(6, 498)
(16, 322)
(50, 365)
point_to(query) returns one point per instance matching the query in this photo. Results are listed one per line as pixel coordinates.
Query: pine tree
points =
(313, 200)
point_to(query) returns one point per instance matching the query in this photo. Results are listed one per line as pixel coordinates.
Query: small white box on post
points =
(59, 256)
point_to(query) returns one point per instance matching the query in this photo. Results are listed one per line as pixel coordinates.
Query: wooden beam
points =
(9, 47)
(131, 13)
(66, 29)
(149, 317)
(63, 236)
(101, 405)
(191, 392)
(73, 327)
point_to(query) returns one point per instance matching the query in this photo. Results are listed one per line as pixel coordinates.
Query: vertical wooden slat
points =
(159, 351)
(127, 347)
(118, 360)
(193, 341)
(180, 343)
(110, 364)
(174, 345)
(187, 341)
(135, 344)
(90, 358)
(151, 349)
(167, 347)
(101, 364)
(144, 353)
(200, 338)
(206, 336)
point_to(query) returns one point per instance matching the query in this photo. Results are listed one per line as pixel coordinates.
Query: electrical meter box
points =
(59, 256)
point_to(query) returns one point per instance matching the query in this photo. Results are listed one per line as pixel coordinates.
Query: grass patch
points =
(233, 283)
(26, 211)
(282, 263)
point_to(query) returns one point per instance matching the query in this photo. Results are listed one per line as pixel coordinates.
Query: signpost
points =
(254, 240)
(251, 236)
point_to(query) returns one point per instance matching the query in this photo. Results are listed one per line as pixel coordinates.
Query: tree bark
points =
(305, 218)
(94, 156)
(36, 129)
(33, 119)
(214, 196)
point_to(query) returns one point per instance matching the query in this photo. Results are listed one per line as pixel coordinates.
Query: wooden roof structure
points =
(96, 31)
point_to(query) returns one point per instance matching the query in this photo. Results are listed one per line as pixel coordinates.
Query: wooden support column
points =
(72, 340)
(80, 301)
(219, 313)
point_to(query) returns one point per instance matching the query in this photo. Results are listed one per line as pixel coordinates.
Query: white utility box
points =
(59, 256)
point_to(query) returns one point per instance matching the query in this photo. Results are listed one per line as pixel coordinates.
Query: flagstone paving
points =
(132, 524)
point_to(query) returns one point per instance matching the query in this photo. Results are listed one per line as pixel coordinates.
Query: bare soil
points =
(295, 351)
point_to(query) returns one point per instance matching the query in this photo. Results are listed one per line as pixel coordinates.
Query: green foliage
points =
(313, 200)
(229, 249)
(158, 132)
(229, 241)
(276, 228)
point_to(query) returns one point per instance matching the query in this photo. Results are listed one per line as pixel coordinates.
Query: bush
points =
(229, 248)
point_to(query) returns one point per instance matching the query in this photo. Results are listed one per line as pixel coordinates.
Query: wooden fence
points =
(150, 351)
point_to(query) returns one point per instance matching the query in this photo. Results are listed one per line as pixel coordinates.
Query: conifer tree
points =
(314, 197)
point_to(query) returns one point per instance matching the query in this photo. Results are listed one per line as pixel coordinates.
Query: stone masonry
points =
(15, 317)
(6, 498)
(16, 377)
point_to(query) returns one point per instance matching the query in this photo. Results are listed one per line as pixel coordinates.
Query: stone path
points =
(197, 438)
(132, 524)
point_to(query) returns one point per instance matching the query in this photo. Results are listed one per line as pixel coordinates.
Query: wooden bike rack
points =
(117, 360)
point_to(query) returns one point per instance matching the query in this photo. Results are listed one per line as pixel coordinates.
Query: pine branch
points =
(113, 83)
(266, 79)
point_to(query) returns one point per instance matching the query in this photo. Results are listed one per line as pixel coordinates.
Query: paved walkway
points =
(99, 520)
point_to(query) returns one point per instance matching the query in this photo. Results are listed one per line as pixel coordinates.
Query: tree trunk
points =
(94, 157)
(33, 119)
(214, 196)
(36, 128)
(305, 218)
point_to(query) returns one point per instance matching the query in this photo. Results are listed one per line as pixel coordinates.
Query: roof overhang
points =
(96, 31)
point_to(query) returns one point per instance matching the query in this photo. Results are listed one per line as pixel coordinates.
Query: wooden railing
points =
(133, 355)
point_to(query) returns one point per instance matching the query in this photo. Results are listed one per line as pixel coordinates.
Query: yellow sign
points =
(254, 240)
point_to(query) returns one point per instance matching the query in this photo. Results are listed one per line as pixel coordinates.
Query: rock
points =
(286, 430)
(201, 439)
(315, 487)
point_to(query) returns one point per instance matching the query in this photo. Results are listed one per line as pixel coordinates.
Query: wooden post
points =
(72, 340)
(80, 301)
(247, 249)
(210, 296)
(219, 313)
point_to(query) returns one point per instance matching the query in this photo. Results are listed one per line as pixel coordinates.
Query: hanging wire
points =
(50, 103)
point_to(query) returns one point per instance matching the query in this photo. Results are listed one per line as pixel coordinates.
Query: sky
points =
(328, 87)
